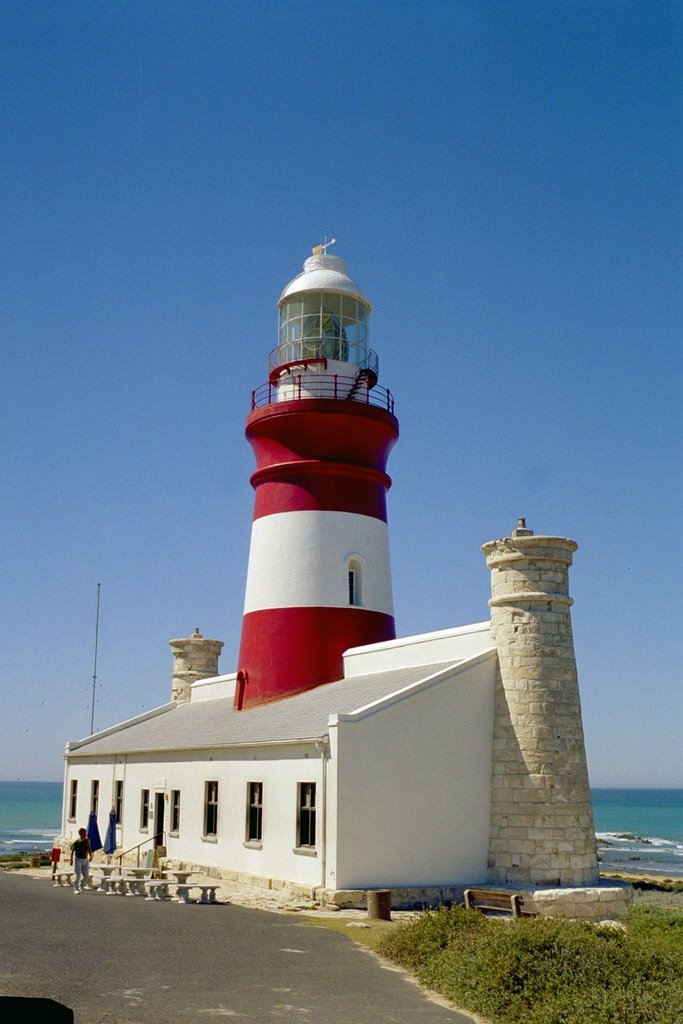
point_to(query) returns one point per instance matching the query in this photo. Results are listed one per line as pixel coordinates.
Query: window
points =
(94, 796)
(73, 799)
(254, 812)
(211, 809)
(354, 578)
(144, 808)
(175, 810)
(306, 815)
(322, 325)
(118, 800)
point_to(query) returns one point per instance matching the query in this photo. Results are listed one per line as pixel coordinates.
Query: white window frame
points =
(118, 800)
(354, 581)
(254, 828)
(175, 812)
(306, 816)
(144, 810)
(73, 799)
(210, 808)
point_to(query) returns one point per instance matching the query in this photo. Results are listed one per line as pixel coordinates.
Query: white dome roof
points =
(323, 273)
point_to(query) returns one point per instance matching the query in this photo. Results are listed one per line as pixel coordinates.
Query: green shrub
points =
(549, 971)
(415, 945)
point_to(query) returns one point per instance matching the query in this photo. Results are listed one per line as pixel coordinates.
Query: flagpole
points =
(94, 673)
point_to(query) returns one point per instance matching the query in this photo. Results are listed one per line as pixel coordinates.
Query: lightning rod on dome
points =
(322, 249)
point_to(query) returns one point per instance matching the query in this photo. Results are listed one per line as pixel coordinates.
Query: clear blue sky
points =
(504, 180)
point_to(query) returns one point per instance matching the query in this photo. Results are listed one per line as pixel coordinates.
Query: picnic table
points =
(177, 875)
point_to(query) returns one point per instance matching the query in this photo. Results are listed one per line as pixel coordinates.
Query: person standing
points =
(81, 855)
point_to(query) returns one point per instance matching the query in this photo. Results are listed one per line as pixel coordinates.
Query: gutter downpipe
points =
(65, 784)
(321, 745)
(125, 774)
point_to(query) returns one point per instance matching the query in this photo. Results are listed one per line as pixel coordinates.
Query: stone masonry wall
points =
(194, 658)
(541, 814)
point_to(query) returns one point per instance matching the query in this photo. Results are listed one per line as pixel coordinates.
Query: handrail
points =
(303, 387)
(150, 839)
(303, 350)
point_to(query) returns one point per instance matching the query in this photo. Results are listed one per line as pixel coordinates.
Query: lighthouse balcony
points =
(307, 379)
(322, 350)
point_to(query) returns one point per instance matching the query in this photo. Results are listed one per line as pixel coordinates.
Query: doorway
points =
(159, 801)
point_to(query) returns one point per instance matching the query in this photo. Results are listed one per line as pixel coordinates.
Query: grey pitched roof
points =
(213, 723)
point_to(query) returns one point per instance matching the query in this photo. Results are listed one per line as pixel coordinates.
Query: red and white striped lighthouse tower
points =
(319, 577)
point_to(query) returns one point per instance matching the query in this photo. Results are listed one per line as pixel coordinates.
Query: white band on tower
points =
(301, 560)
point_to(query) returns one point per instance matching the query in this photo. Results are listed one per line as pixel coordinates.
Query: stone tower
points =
(541, 814)
(194, 658)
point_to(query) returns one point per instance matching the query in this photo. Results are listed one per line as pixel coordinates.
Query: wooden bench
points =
(208, 892)
(496, 902)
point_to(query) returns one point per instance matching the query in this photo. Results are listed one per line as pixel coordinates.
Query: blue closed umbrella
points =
(110, 838)
(94, 833)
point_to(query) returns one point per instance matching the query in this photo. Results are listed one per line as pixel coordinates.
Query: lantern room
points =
(323, 330)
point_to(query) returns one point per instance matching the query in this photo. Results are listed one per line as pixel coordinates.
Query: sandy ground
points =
(649, 890)
(280, 901)
(277, 901)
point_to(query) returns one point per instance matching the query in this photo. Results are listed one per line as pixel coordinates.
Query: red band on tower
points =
(319, 579)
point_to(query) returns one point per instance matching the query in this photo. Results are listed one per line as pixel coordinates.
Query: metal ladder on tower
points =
(362, 379)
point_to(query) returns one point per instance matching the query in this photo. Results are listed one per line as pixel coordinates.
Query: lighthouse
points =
(335, 758)
(321, 429)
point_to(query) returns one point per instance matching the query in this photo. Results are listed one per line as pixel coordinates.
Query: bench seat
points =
(208, 892)
(496, 901)
(156, 888)
(63, 878)
(111, 884)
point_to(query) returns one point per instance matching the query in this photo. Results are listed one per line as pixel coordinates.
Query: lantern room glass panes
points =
(323, 325)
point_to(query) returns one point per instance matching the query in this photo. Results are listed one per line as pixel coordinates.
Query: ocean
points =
(640, 830)
(30, 815)
(637, 830)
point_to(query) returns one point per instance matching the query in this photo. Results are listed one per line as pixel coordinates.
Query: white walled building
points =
(336, 757)
(392, 760)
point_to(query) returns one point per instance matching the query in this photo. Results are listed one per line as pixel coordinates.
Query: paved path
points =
(123, 960)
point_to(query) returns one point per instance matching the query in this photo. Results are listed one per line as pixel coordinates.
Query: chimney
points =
(193, 658)
(541, 816)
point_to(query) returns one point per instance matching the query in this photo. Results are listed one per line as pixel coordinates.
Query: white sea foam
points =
(26, 840)
(627, 851)
(627, 840)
